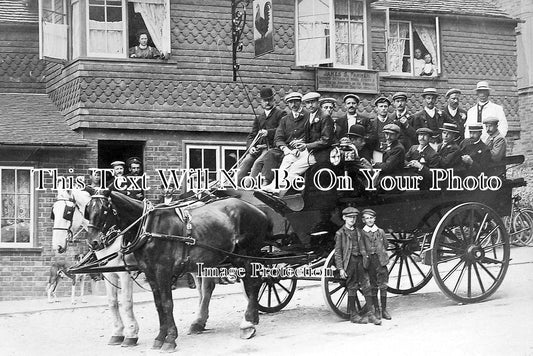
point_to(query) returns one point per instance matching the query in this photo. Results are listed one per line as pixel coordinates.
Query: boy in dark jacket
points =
(375, 261)
(349, 252)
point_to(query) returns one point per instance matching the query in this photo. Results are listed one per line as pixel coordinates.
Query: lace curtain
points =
(396, 48)
(429, 40)
(349, 47)
(106, 37)
(155, 16)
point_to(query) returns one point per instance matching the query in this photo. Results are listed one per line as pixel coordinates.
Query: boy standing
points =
(375, 261)
(349, 252)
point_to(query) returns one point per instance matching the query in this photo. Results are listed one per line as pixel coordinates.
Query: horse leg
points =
(111, 283)
(251, 316)
(73, 291)
(82, 278)
(160, 338)
(131, 327)
(165, 282)
(205, 287)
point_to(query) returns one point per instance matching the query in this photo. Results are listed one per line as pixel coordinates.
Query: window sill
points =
(25, 250)
(129, 61)
(439, 78)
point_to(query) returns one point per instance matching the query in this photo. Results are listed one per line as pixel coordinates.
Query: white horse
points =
(125, 327)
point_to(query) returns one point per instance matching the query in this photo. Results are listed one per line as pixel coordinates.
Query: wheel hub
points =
(474, 253)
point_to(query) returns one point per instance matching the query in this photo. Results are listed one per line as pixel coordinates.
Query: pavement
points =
(519, 255)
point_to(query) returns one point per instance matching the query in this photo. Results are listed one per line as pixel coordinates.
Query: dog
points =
(58, 271)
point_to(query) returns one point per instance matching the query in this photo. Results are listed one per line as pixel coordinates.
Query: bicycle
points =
(519, 223)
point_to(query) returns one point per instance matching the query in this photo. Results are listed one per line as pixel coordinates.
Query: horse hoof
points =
(247, 333)
(115, 340)
(168, 347)
(196, 329)
(157, 344)
(129, 342)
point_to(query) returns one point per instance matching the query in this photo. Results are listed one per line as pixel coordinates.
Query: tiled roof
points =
(19, 11)
(453, 7)
(32, 119)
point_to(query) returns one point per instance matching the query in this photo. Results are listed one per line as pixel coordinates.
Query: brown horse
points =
(226, 225)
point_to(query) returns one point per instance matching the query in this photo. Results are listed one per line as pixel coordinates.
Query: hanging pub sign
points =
(263, 27)
(346, 80)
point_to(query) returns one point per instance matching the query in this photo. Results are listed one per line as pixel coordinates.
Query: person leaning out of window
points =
(143, 51)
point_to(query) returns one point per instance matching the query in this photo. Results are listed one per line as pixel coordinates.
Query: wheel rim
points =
(529, 213)
(275, 293)
(470, 253)
(334, 289)
(522, 229)
(406, 272)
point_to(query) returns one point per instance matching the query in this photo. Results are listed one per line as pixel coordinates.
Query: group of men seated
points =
(395, 142)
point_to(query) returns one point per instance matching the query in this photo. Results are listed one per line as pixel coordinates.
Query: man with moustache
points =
(351, 117)
(485, 109)
(265, 125)
(375, 136)
(476, 155)
(402, 119)
(452, 112)
(290, 130)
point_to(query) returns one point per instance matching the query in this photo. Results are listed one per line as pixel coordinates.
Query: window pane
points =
(23, 181)
(195, 158)
(341, 9)
(8, 206)
(15, 206)
(313, 31)
(349, 32)
(114, 14)
(8, 181)
(357, 10)
(210, 159)
(399, 48)
(97, 13)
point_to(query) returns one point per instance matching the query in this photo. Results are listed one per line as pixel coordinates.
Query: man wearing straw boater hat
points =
(448, 150)
(289, 131)
(429, 116)
(262, 135)
(452, 112)
(485, 109)
(476, 155)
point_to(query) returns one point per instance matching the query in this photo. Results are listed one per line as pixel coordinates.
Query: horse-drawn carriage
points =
(456, 236)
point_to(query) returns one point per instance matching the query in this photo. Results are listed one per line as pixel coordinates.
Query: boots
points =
(384, 313)
(376, 308)
(354, 315)
(372, 313)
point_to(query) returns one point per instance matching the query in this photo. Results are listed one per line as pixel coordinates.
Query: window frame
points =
(411, 22)
(32, 197)
(125, 48)
(332, 60)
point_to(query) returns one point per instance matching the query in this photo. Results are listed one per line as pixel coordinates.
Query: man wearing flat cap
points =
(486, 108)
(350, 117)
(327, 105)
(394, 155)
(452, 112)
(375, 136)
(476, 155)
(448, 150)
(290, 131)
(135, 170)
(264, 127)
(402, 118)
(429, 116)
(420, 158)
(495, 140)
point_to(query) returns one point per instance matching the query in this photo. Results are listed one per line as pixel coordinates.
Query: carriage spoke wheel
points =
(275, 293)
(407, 273)
(334, 289)
(522, 228)
(470, 253)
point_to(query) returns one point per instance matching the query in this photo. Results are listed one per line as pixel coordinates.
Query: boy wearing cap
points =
(349, 252)
(476, 155)
(448, 150)
(351, 117)
(452, 112)
(495, 140)
(486, 108)
(403, 119)
(265, 125)
(375, 261)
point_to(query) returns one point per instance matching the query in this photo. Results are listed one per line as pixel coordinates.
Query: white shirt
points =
(312, 116)
(352, 119)
(431, 112)
(267, 112)
(452, 111)
(489, 110)
(367, 228)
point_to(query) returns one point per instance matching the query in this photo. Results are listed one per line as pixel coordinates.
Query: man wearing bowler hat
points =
(429, 116)
(476, 155)
(264, 125)
(403, 119)
(351, 117)
(452, 112)
(290, 130)
(485, 109)
(448, 150)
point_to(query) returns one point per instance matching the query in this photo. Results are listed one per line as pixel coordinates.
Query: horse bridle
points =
(106, 227)
(69, 217)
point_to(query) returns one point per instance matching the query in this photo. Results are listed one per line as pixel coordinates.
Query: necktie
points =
(479, 111)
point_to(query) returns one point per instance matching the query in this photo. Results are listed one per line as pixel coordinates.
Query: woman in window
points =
(144, 51)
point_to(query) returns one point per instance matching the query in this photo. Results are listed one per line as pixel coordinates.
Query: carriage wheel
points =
(406, 272)
(275, 293)
(334, 289)
(522, 228)
(470, 252)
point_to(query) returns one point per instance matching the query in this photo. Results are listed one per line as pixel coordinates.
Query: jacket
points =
(393, 159)
(450, 155)
(459, 118)
(269, 123)
(343, 246)
(341, 124)
(319, 135)
(290, 128)
(382, 245)
(497, 146)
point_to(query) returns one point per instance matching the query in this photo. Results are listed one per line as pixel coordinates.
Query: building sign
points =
(263, 27)
(346, 80)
